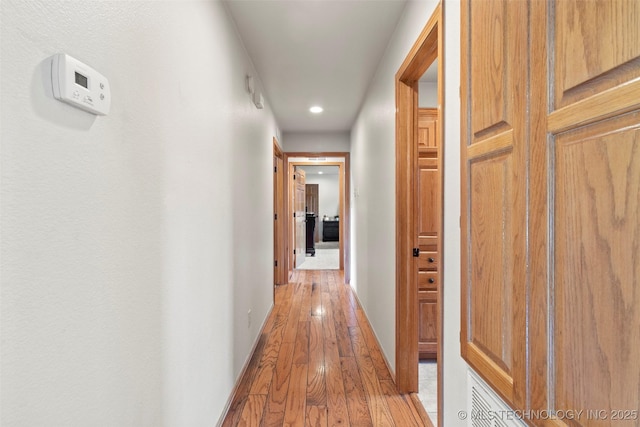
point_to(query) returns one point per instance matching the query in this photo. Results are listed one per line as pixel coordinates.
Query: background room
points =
(322, 205)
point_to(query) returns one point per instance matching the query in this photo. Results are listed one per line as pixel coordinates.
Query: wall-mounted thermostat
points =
(79, 85)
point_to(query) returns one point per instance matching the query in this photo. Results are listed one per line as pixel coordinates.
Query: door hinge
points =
(294, 214)
(294, 177)
(294, 251)
(275, 169)
(416, 252)
(275, 217)
(275, 263)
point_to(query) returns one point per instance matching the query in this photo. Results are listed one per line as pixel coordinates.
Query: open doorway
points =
(331, 226)
(322, 210)
(419, 239)
(429, 229)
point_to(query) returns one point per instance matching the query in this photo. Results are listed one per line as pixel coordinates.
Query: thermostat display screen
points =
(82, 80)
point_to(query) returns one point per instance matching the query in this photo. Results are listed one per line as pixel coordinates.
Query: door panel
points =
(595, 181)
(494, 196)
(300, 217)
(491, 258)
(493, 72)
(428, 221)
(597, 266)
(429, 186)
(551, 206)
(427, 131)
(279, 221)
(428, 324)
(608, 32)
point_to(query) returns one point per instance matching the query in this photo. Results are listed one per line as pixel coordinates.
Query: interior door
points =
(300, 216)
(279, 276)
(493, 219)
(551, 206)
(593, 143)
(428, 222)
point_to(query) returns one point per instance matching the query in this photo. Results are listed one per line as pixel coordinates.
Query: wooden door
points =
(428, 221)
(593, 146)
(494, 192)
(551, 205)
(279, 275)
(300, 216)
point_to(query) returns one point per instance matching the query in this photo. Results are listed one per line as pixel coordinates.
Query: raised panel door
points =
(596, 300)
(551, 205)
(596, 47)
(428, 220)
(593, 206)
(494, 67)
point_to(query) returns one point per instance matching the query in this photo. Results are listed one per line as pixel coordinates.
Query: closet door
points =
(593, 186)
(428, 219)
(551, 205)
(494, 85)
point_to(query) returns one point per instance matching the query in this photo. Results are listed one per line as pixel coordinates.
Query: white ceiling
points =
(310, 52)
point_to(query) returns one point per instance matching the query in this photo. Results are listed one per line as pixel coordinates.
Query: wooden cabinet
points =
(330, 231)
(429, 212)
(550, 207)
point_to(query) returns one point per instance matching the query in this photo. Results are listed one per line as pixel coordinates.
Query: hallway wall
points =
(316, 142)
(373, 198)
(132, 245)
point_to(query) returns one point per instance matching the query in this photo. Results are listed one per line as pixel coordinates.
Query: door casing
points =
(279, 228)
(428, 47)
(345, 244)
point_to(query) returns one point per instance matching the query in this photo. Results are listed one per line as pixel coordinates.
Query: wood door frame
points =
(279, 248)
(345, 204)
(428, 47)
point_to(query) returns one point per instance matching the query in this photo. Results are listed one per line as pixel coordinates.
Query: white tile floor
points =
(428, 388)
(324, 259)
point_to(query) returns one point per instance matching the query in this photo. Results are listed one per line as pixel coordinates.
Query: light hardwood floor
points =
(318, 363)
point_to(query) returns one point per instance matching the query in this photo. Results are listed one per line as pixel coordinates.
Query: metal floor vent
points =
(486, 408)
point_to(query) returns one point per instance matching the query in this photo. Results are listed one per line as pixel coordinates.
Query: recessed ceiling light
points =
(316, 109)
(320, 173)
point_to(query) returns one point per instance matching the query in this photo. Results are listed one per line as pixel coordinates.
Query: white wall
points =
(427, 95)
(337, 142)
(131, 245)
(373, 198)
(454, 366)
(329, 197)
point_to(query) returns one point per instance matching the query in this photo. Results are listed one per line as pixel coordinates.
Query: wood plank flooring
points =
(318, 363)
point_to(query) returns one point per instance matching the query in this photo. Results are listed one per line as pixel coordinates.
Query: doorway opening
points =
(327, 219)
(419, 213)
(322, 210)
(429, 229)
